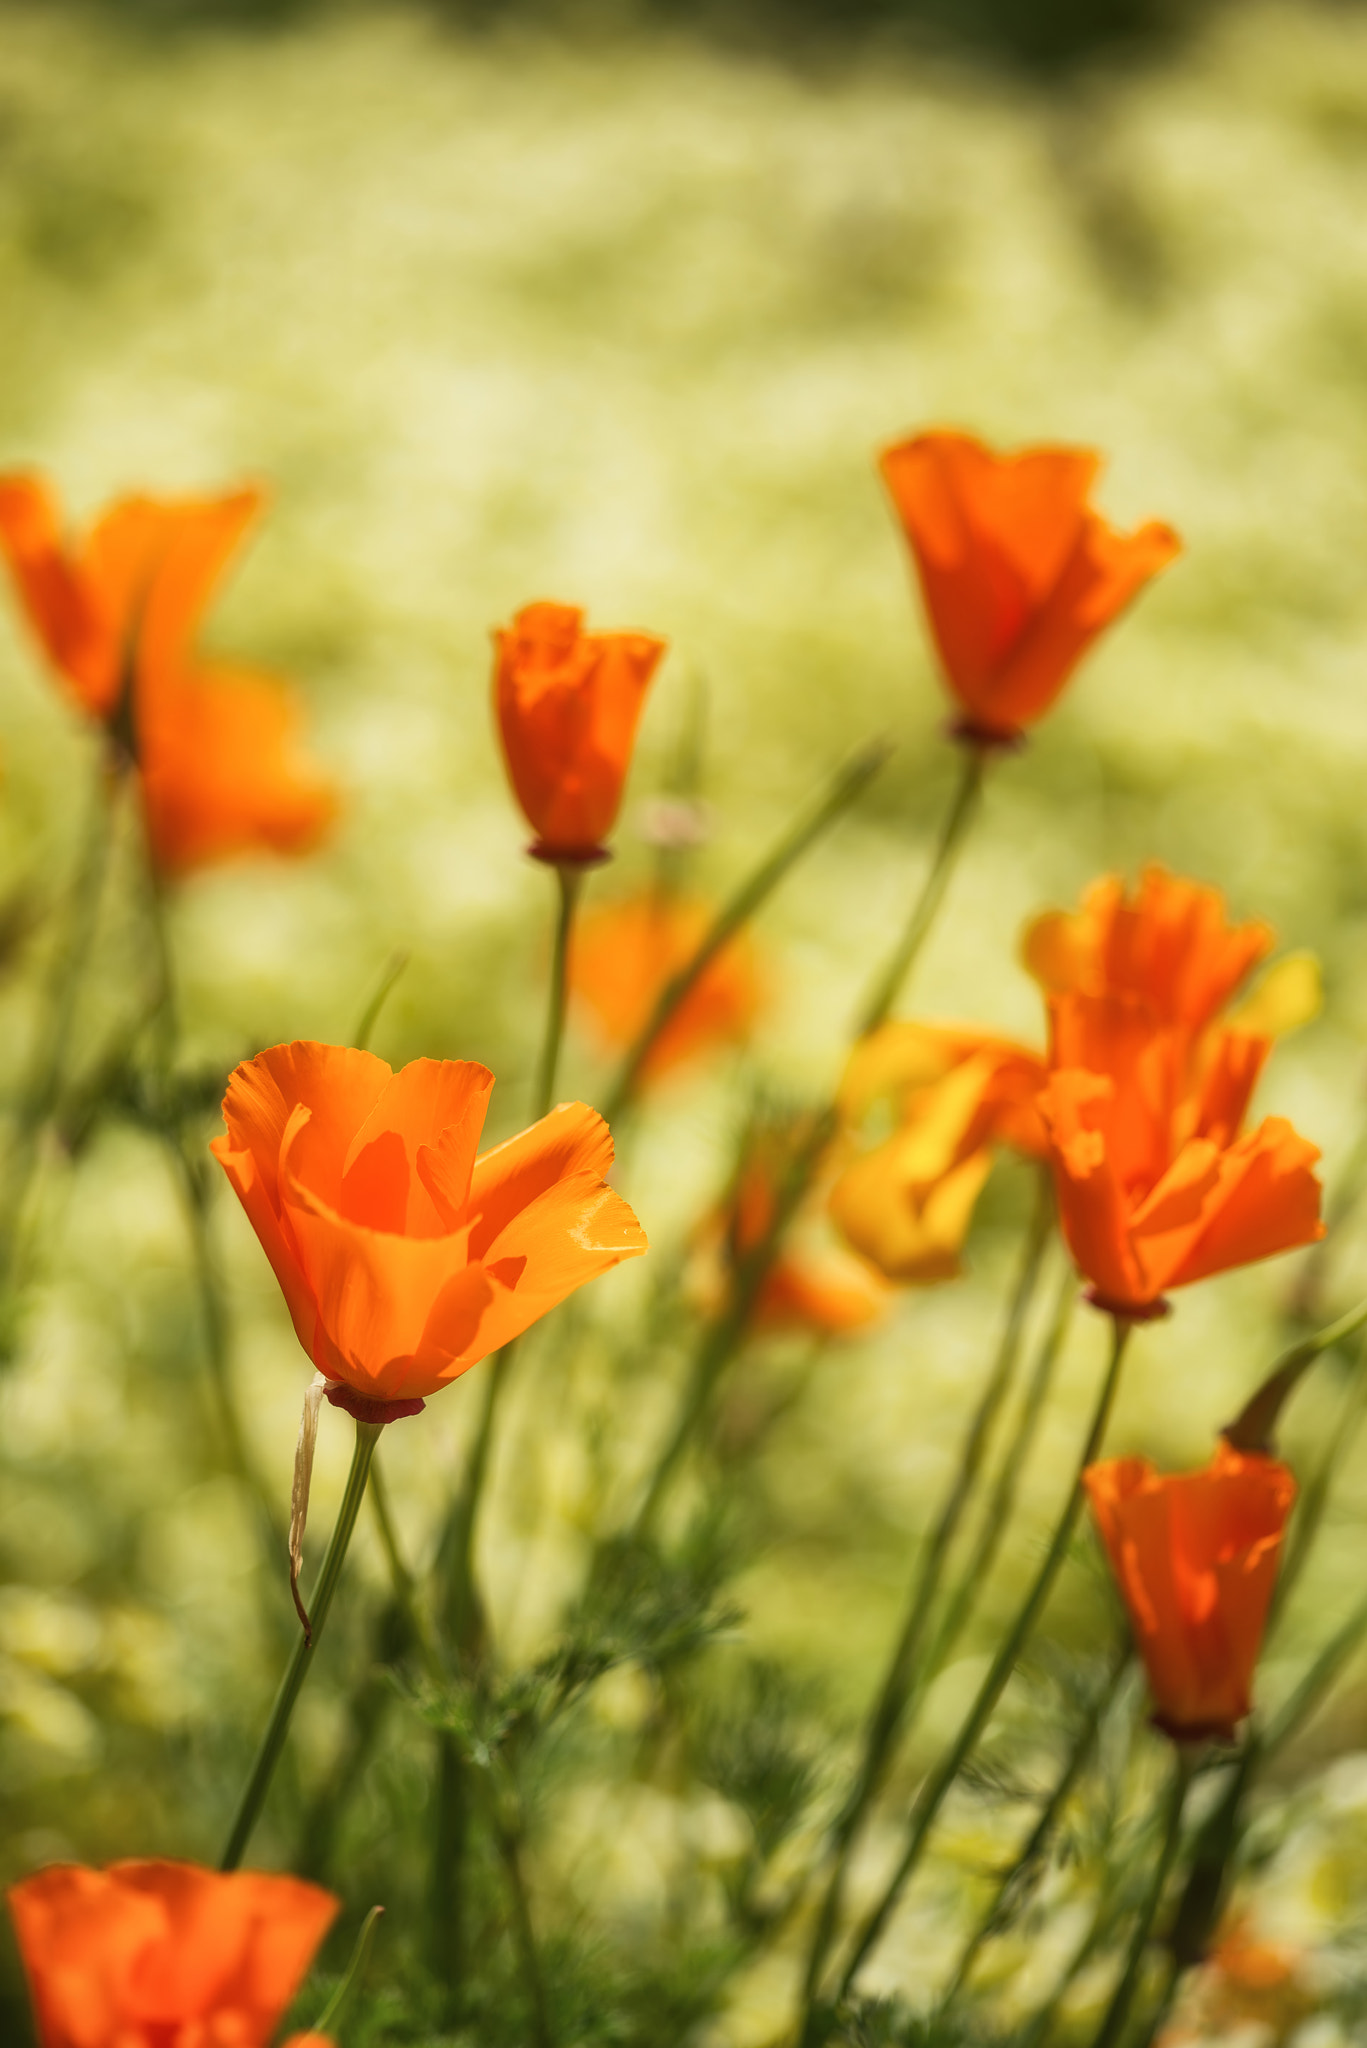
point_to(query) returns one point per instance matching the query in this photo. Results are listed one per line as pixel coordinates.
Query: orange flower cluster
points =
(624, 954)
(567, 704)
(214, 743)
(166, 1955)
(1139, 1107)
(1019, 574)
(1195, 1557)
(403, 1256)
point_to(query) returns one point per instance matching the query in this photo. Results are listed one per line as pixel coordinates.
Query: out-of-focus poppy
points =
(567, 704)
(811, 1284)
(1156, 1185)
(1018, 572)
(957, 1093)
(165, 1955)
(118, 617)
(623, 954)
(1195, 1557)
(403, 1258)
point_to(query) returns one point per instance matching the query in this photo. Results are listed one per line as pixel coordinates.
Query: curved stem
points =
(569, 879)
(273, 1741)
(903, 1673)
(936, 1787)
(740, 907)
(510, 1855)
(1118, 2011)
(956, 822)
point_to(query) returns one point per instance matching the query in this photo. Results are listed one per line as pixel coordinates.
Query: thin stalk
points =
(525, 1933)
(847, 784)
(1001, 1505)
(902, 1675)
(1315, 1493)
(937, 1786)
(953, 829)
(1016, 1880)
(327, 2018)
(569, 879)
(1118, 2012)
(378, 997)
(63, 988)
(1297, 1708)
(277, 1728)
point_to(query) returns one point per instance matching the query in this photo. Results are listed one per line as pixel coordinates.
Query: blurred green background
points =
(616, 308)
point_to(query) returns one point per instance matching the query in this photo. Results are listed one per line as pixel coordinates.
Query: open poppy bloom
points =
(403, 1258)
(117, 617)
(1018, 572)
(1156, 1185)
(1195, 1557)
(811, 1285)
(568, 703)
(165, 1955)
(623, 954)
(957, 1094)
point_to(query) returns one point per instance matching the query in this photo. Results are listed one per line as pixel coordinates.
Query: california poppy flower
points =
(163, 1955)
(404, 1258)
(1195, 1557)
(117, 617)
(1018, 572)
(567, 704)
(621, 957)
(810, 1284)
(957, 1094)
(1157, 1184)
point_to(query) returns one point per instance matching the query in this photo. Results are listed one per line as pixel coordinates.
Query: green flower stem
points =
(1001, 1505)
(370, 1016)
(1314, 1497)
(903, 1674)
(569, 879)
(1118, 2012)
(59, 1000)
(510, 1855)
(937, 1786)
(847, 784)
(953, 831)
(1016, 1880)
(327, 2018)
(273, 1741)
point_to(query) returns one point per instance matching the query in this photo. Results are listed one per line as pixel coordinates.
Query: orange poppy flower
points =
(622, 955)
(403, 1258)
(1195, 1557)
(117, 617)
(165, 1955)
(1019, 574)
(1156, 1187)
(811, 1285)
(958, 1093)
(568, 703)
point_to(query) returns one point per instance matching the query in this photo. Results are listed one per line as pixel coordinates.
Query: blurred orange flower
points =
(809, 1286)
(1156, 1185)
(403, 1258)
(623, 954)
(165, 1955)
(1019, 574)
(957, 1094)
(568, 703)
(1195, 1557)
(118, 617)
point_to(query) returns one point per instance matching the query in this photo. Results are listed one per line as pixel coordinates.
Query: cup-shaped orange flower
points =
(165, 1955)
(117, 616)
(403, 1257)
(958, 1094)
(568, 703)
(1018, 571)
(1157, 1184)
(623, 954)
(1168, 944)
(1195, 1556)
